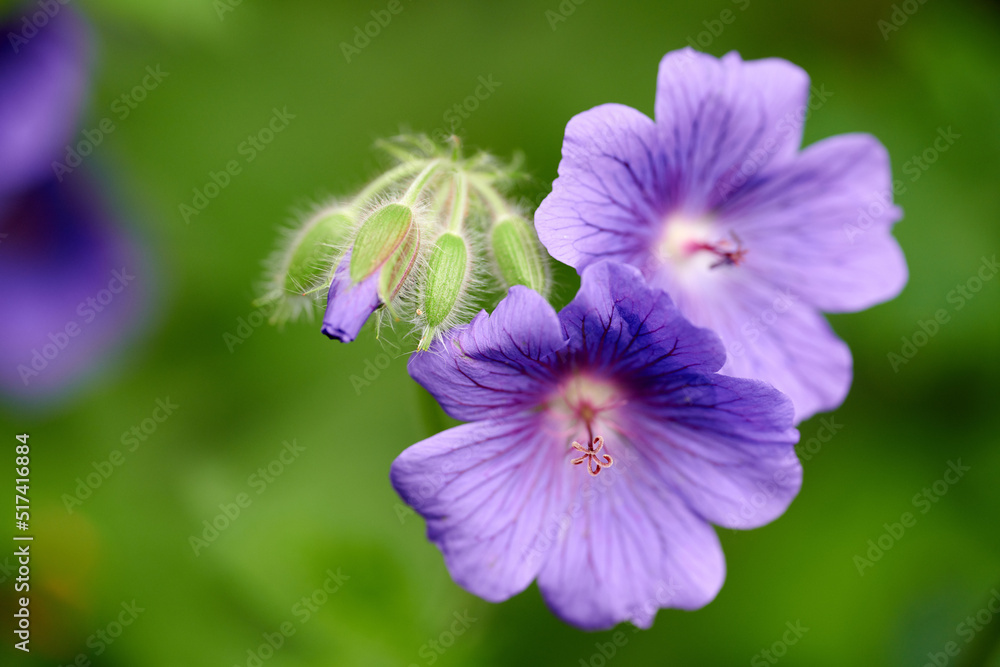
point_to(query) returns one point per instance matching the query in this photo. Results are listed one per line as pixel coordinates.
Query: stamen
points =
(592, 456)
(721, 249)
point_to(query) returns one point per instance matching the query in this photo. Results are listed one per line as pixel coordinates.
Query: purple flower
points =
(42, 84)
(715, 203)
(69, 273)
(73, 286)
(349, 305)
(602, 446)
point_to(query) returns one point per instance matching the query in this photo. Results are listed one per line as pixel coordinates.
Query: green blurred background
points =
(333, 509)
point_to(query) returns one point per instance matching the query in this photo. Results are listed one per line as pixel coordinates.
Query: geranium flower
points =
(602, 447)
(68, 270)
(715, 203)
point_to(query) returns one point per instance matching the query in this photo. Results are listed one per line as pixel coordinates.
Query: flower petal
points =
(488, 491)
(732, 459)
(349, 306)
(632, 329)
(822, 223)
(75, 285)
(629, 547)
(493, 366)
(717, 117)
(773, 335)
(42, 85)
(611, 188)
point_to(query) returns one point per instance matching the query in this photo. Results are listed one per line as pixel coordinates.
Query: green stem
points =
(384, 181)
(501, 209)
(459, 203)
(419, 183)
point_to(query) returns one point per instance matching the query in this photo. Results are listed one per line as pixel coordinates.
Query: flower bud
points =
(303, 264)
(398, 267)
(349, 304)
(379, 237)
(447, 272)
(313, 249)
(519, 255)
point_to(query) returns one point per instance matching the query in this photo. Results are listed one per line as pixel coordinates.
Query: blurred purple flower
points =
(67, 268)
(715, 203)
(602, 446)
(42, 86)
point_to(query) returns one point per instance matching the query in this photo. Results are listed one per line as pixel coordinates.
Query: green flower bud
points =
(313, 250)
(447, 272)
(379, 237)
(519, 255)
(302, 266)
(397, 269)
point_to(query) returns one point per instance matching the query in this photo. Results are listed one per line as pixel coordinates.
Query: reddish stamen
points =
(722, 250)
(595, 460)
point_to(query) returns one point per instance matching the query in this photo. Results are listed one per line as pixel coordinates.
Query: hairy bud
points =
(313, 252)
(303, 264)
(447, 274)
(379, 237)
(398, 267)
(519, 255)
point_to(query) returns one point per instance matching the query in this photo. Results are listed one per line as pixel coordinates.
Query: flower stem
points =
(384, 181)
(419, 183)
(459, 203)
(497, 204)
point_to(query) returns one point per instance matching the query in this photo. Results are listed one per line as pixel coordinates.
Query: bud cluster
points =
(424, 242)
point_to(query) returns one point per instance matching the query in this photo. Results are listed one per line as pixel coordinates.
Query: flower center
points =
(697, 245)
(584, 404)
